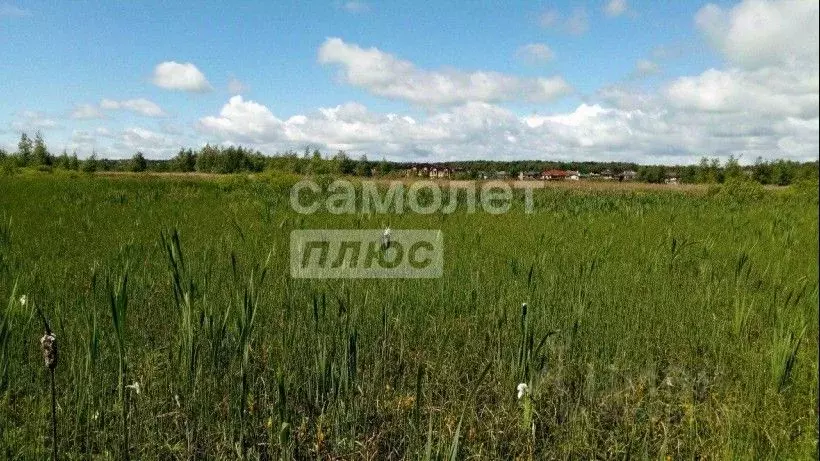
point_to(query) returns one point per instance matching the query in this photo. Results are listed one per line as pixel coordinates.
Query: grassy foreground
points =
(658, 323)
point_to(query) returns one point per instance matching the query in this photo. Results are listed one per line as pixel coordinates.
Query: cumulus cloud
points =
(760, 33)
(139, 106)
(644, 128)
(172, 75)
(765, 92)
(86, 112)
(536, 53)
(386, 75)
(30, 120)
(615, 7)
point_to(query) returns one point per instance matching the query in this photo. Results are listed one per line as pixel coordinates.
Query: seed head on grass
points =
(48, 343)
(523, 389)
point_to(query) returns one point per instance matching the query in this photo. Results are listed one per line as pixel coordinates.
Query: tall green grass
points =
(656, 323)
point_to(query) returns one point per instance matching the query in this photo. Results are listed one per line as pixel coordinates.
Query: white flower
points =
(176, 400)
(387, 232)
(523, 390)
(23, 300)
(135, 387)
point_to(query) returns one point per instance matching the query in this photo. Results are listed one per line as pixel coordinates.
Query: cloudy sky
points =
(644, 81)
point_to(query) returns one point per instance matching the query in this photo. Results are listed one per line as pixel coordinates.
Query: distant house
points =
(607, 174)
(554, 175)
(525, 175)
(629, 175)
(501, 175)
(440, 173)
(573, 175)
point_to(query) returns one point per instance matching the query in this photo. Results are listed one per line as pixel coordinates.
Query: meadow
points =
(658, 323)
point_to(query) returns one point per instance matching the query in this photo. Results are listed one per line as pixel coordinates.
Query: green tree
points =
(385, 167)
(62, 161)
(783, 172)
(689, 174)
(343, 164)
(185, 161)
(206, 160)
(138, 163)
(317, 165)
(762, 171)
(362, 166)
(652, 174)
(716, 171)
(732, 169)
(24, 149)
(91, 164)
(40, 155)
(74, 162)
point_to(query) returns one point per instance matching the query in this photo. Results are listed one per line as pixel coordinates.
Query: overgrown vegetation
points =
(657, 323)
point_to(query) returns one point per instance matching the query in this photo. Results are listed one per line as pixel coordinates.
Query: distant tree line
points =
(33, 153)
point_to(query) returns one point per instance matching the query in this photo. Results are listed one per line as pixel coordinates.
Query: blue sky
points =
(595, 80)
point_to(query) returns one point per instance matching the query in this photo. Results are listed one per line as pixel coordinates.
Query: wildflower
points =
(23, 300)
(48, 343)
(386, 238)
(668, 381)
(176, 400)
(135, 387)
(523, 390)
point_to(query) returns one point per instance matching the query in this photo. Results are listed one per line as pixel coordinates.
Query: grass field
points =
(659, 323)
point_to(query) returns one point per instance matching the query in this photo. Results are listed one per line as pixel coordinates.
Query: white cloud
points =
(172, 75)
(647, 129)
(235, 86)
(30, 120)
(139, 138)
(250, 121)
(576, 23)
(536, 53)
(768, 92)
(615, 7)
(385, 75)
(645, 67)
(759, 33)
(139, 106)
(86, 112)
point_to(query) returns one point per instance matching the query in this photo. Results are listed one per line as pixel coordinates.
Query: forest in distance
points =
(34, 153)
